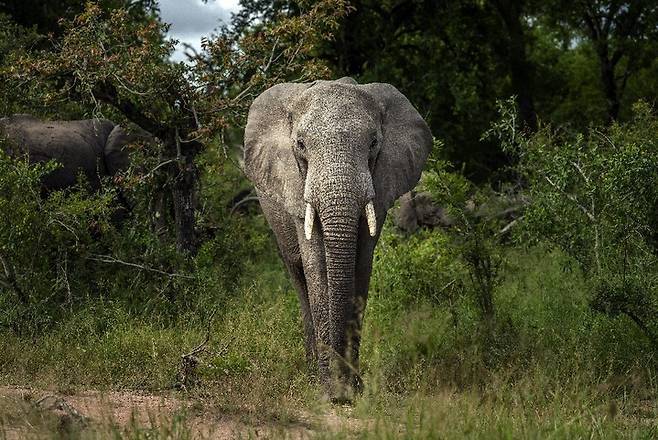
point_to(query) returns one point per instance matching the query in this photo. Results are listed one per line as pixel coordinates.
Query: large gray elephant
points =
(95, 147)
(328, 159)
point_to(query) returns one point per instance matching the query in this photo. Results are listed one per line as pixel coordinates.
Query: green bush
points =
(47, 244)
(595, 196)
(63, 251)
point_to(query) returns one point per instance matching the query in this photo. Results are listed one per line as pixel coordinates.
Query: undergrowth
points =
(552, 366)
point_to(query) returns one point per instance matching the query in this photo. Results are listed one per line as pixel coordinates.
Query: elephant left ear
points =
(406, 143)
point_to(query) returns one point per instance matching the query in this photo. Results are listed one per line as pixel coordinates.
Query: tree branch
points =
(573, 198)
(108, 93)
(112, 260)
(10, 276)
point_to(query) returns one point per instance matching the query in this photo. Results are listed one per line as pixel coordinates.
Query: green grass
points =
(549, 368)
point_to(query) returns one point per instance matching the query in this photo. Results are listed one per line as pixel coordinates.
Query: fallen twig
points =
(62, 405)
(190, 361)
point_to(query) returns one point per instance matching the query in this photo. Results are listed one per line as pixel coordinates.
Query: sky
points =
(192, 19)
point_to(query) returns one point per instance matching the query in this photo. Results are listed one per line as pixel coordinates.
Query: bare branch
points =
(573, 198)
(10, 276)
(242, 202)
(580, 170)
(65, 226)
(112, 260)
(160, 165)
(509, 226)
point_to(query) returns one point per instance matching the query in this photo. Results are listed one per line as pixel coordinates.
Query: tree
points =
(622, 33)
(113, 63)
(512, 13)
(594, 197)
(46, 16)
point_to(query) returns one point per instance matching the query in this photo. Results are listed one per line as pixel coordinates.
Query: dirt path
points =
(33, 413)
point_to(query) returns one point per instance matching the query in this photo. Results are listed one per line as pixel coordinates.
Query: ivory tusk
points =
(372, 218)
(308, 221)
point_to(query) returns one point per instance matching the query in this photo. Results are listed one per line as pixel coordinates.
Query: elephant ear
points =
(116, 150)
(406, 143)
(268, 158)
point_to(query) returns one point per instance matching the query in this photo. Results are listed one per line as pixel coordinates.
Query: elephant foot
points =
(342, 391)
(311, 358)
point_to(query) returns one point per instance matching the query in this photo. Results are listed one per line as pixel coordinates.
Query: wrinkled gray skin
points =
(418, 210)
(93, 146)
(333, 146)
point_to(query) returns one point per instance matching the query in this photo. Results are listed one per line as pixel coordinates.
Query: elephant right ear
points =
(268, 158)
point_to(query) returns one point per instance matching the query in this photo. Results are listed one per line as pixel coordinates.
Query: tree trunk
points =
(183, 174)
(184, 188)
(521, 70)
(183, 195)
(600, 29)
(609, 83)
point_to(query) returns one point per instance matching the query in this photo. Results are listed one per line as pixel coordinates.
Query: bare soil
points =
(125, 411)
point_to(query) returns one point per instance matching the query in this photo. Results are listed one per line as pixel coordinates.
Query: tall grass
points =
(552, 367)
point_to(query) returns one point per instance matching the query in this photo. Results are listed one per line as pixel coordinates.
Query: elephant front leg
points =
(313, 259)
(285, 231)
(297, 274)
(365, 251)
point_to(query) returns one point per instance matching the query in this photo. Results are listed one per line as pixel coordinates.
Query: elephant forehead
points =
(332, 101)
(329, 120)
(346, 123)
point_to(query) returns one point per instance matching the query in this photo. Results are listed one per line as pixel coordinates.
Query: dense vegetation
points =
(539, 320)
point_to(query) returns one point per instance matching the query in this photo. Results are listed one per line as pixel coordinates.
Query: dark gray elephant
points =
(418, 210)
(92, 146)
(328, 159)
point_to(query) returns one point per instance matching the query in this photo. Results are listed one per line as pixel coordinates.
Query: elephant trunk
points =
(340, 226)
(339, 211)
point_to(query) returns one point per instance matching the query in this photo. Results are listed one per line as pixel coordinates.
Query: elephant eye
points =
(373, 144)
(300, 145)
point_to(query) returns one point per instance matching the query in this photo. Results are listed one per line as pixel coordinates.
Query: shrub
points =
(61, 251)
(46, 243)
(595, 196)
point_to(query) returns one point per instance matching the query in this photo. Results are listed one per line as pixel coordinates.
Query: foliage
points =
(454, 58)
(239, 64)
(102, 52)
(426, 269)
(41, 239)
(593, 196)
(110, 62)
(62, 252)
(621, 35)
(46, 17)
(480, 220)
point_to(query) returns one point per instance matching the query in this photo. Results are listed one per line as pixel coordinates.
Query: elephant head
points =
(95, 147)
(333, 156)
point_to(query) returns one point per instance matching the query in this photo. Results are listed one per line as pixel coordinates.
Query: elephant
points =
(92, 146)
(418, 210)
(327, 160)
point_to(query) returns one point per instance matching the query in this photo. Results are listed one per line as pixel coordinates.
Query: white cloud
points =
(232, 5)
(193, 19)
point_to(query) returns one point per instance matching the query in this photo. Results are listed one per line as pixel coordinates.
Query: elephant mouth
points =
(310, 215)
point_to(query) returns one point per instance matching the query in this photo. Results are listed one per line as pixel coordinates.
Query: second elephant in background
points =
(95, 147)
